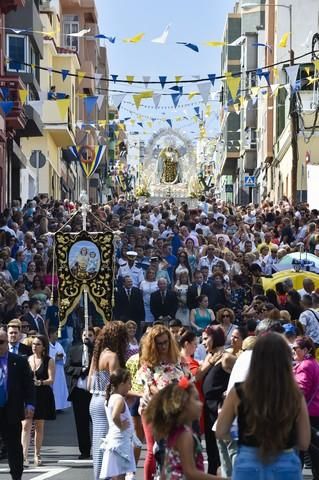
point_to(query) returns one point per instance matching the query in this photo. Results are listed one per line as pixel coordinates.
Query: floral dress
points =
(173, 467)
(159, 376)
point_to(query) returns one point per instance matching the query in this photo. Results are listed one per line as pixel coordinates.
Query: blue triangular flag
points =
(162, 81)
(192, 46)
(212, 78)
(297, 86)
(6, 107)
(140, 124)
(169, 122)
(89, 104)
(197, 109)
(110, 39)
(176, 98)
(4, 92)
(114, 78)
(64, 73)
(15, 66)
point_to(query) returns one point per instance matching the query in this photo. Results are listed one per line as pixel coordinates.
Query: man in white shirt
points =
(209, 260)
(129, 269)
(22, 294)
(308, 287)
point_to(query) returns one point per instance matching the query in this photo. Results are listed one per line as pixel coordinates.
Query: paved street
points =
(60, 455)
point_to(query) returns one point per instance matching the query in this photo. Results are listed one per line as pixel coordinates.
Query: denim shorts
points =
(248, 466)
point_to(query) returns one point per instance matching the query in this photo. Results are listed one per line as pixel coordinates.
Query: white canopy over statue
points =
(169, 164)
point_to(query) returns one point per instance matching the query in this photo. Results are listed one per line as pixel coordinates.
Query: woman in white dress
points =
(118, 445)
(60, 389)
(147, 287)
(181, 288)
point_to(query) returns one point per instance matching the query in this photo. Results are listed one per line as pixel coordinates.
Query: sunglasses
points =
(162, 344)
(226, 315)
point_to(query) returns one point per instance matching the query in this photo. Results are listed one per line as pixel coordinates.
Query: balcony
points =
(59, 128)
(16, 119)
(11, 5)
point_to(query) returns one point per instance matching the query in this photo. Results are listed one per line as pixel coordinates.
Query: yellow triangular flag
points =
(192, 94)
(63, 106)
(116, 133)
(132, 121)
(130, 79)
(137, 100)
(102, 123)
(178, 119)
(149, 124)
(275, 72)
(80, 75)
(135, 39)
(140, 117)
(147, 94)
(121, 126)
(23, 94)
(316, 64)
(215, 44)
(284, 40)
(178, 78)
(254, 91)
(307, 70)
(232, 84)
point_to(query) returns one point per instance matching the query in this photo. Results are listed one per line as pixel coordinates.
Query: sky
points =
(191, 21)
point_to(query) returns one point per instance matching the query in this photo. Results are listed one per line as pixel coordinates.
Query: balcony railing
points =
(16, 119)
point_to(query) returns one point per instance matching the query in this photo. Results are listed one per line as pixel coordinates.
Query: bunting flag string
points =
(162, 79)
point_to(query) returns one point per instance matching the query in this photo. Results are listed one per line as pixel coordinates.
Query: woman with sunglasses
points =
(226, 318)
(181, 265)
(306, 372)
(160, 365)
(43, 370)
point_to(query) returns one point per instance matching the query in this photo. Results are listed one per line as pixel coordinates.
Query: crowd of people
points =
(198, 351)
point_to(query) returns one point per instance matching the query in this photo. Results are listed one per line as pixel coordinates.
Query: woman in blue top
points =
(202, 316)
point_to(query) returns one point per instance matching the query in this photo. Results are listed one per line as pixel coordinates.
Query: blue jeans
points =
(248, 466)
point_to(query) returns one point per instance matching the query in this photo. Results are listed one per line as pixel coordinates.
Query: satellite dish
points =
(41, 159)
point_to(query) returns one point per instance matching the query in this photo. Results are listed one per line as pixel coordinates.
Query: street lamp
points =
(248, 6)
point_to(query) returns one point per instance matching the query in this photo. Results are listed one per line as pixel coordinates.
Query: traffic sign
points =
(229, 188)
(250, 181)
(37, 159)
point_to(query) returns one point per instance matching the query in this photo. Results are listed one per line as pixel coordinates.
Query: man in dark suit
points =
(196, 289)
(14, 335)
(129, 303)
(34, 318)
(164, 303)
(77, 367)
(17, 397)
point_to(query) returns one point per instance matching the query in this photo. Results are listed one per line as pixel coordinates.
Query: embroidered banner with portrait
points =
(85, 261)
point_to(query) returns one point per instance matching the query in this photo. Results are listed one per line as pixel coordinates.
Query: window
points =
(71, 25)
(17, 51)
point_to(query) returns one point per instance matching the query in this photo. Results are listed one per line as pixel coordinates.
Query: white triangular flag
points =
(204, 90)
(37, 105)
(118, 99)
(81, 33)
(292, 73)
(97, 77)
(146, 80)
(162, 38)
(157, 99)
(238, 42)
(274, 88)
(307, 42)
(99, 101)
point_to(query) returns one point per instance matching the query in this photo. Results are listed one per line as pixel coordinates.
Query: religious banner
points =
(89, 157)
(85, 261)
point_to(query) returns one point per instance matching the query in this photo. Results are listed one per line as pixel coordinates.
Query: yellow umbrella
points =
(296, 277)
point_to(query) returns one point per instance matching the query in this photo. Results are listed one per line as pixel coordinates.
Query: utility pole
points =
(294, 125)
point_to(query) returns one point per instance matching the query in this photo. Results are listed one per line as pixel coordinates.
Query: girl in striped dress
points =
(108, 355)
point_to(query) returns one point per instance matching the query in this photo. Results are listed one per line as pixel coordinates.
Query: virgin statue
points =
(169, 157)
